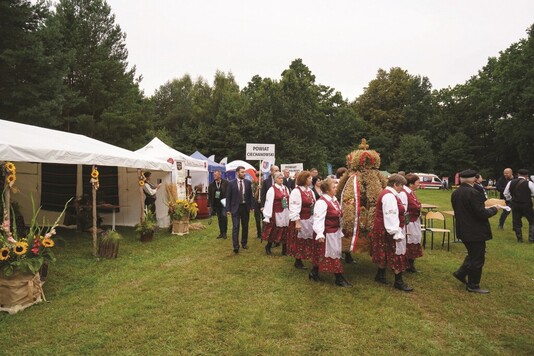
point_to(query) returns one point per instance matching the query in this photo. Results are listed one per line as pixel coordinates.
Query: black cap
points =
(522, 172)
(468, 173)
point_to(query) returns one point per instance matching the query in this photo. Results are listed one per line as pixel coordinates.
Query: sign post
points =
(260, 152)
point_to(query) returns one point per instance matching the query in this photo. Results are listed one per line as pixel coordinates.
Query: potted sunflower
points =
(147, 227)
(181, 211)
(24, 262)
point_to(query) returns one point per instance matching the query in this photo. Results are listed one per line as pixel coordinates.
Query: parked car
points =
(430, 181)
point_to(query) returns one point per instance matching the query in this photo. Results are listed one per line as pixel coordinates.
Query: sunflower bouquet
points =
(181, 208)
(26, 253)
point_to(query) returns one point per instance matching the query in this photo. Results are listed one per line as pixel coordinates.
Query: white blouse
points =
(269, 201)
(390, 211)
(295, 202)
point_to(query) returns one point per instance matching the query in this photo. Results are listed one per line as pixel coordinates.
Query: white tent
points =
(197, 168)
(31, 145)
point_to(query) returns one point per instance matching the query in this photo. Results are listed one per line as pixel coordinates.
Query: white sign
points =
(293, 167)
(260, 151)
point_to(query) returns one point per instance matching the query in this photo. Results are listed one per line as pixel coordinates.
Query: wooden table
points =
(428, 207)
(451, 213)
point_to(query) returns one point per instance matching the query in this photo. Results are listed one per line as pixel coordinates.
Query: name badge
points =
(284, 202)
(217, 195)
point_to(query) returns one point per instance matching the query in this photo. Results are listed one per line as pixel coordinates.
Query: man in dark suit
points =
(288, 182)
(473, 228)
(216, 192)
(239, 203)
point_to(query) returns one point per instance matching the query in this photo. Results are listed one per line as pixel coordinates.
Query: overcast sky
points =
(343, 42)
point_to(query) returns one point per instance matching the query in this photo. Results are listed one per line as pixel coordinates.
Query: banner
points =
(260, 151)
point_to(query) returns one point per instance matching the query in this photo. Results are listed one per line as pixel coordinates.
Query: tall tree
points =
(103, 98)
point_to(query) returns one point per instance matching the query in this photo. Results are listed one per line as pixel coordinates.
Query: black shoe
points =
(313, 276)
(459, 277)
(349, 259)
(403, 287)
(520, 240)
(268, 249)
(476, 289)
(224, 236)
(413, 270)
(220, 236)
(381, 276)
(245, 247)
(236, 250)
(343, 283)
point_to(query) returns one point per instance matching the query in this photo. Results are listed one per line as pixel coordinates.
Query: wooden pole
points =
(141, 194)
(7, 201)
(95, 252)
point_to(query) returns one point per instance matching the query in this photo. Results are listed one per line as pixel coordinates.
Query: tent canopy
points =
(27, 143)
(159, 149)
(212, 165)
(251, 171)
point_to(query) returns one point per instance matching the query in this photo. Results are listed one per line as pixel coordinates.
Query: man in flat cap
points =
(473, 228)
(519, 192)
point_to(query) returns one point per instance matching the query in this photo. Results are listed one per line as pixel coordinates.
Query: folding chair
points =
(429, 226)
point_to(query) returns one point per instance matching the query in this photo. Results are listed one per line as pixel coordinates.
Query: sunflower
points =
(4, 253)
(10, 166)
(11, 178)
(47, 242)
(186, 205)
(94, 173)
(141, 182)
(21, 248)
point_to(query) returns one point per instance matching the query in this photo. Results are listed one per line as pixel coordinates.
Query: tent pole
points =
(7, 201)
(94, 220)
(141, 177)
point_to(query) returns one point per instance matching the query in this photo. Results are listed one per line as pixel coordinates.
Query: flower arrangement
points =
(181, 208)
(26, 253)
(94, 177)
(148, 225)
(11, 173)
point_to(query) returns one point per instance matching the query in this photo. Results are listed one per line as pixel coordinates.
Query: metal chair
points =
(429, 227)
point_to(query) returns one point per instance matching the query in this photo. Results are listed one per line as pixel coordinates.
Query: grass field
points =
(191, 295)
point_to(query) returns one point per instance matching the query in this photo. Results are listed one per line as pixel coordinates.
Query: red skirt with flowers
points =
(298, 247)
(273, 233)
(383, 251)
(413, 251)
(326, 264)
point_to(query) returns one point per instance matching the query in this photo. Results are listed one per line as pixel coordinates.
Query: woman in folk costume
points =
(413, 228)
(327, 227)
(300, 231)
(276, 214)
(388, 243)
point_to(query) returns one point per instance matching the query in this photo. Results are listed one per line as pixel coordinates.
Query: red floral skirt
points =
(326, 264)
(413, 251)
(298, 247)
(273, 233)
(383, 251)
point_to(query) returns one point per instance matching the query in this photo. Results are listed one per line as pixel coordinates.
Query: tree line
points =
(66, 68)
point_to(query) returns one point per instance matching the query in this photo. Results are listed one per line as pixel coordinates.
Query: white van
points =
(430, 181)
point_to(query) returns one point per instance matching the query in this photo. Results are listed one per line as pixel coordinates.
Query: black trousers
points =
(258, 218)
(504, 215)
(520, 211)
(473, 262)
(242, 216)
(220, 211)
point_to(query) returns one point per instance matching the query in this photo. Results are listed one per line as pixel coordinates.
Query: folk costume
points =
(276, 217)
(388, 246)
(299, 243)
(413, 228)
(327, 225)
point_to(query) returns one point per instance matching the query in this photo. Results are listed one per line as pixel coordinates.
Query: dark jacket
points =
(233, 196)
(471, 215)
(211, 193)
(501, 184)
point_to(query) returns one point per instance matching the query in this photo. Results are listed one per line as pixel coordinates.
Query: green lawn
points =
(191, 295)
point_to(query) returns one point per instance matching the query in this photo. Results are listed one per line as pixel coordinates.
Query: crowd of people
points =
(303, 215)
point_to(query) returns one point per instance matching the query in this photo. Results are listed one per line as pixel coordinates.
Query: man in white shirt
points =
(519, 192)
